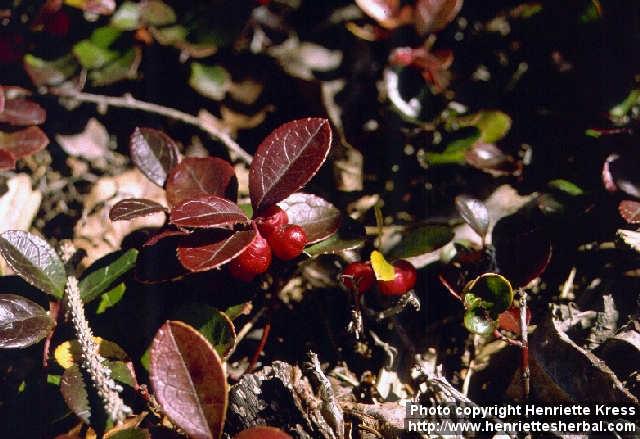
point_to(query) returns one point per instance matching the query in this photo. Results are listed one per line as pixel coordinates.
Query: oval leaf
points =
(22, 112)
(630, 211)
(197, 176)
(262, 432)
(22, 322)
(207, 211)
(33, 259)
(69, 352)
(421, 240)
(154, 153)
(287, 159)
(493, 291)
(477, 322)
(474, 213)
(208, 250)
(319, 218)
(24, 142)
(382, 269)
(350, 234)
(99, 280)
(130, 208)
(188, 379)
(75, 393)
(434, 15)
(215, 325)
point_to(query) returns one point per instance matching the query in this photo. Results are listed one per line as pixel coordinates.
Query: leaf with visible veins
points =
(209, 249)
(131, 208)
(197, 176)
(154, 153)
(22, 322)
(319, 218)
(207, 211)
(630, 211)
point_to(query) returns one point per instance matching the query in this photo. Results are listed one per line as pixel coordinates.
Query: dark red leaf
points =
(22, 322)
(207, 211)
(154, 153)
(131, 208)
(434, 15)
(206, 250)
(262, 432)
(1, 99)
(169, 231)
(620, 173)
(158, 261)
(319, 218)
(287, 159)
(24, 142)
(197, 176)
(188, 380)
(630, 211)
(7, 160)
(22, 112)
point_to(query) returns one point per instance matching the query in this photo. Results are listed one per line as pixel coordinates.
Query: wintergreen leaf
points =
(22, 322)
(105, 36)
(566, 186)
(54, 72)
(493, 290)
(97, 282)
(33, 259)
(92, 56)
(350, 234)
(421, 240)
(454, 152)
(111, 298)
(157, 13)
(127, 17)
(210, 81)
(476, 322)
(212, 323)
(125, 67)
(493, 125)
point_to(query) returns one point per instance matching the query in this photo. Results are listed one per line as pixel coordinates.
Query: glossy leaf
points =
(630, 211)
(207, 211)
(154, 153)
(350, 234)
(111, 298)
(98, 281)
(262, 432)
(434, 15)
(474, 213)
(493, 125)
(489, 158)
(476, 322)
(215, 325)
(75, 393)
(130, 208)
(22, 322)
(421, 240)
(197, 176)
(206, 250)
(33, 259)
(287, 159)
(24, 142)
(22, 112)
(493, 291)
(382, 269)
(631, 238)
(210, 81)
(566, 186)
(188, 380)
(319, 218)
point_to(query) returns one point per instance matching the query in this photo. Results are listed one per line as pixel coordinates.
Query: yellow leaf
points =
(68, 353)
(382, 269)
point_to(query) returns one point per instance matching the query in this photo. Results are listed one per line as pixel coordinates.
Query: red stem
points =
(263, 342)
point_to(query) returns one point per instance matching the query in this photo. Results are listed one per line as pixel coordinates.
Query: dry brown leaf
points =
(91, 143)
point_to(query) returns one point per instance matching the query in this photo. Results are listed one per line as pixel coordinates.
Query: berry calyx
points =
(287, 242)
(271, 219)
(405, 279)
(254, 260)
(358, 276)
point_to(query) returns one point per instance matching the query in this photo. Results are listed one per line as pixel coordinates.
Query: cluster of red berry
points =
(275, 236)
(360, 277)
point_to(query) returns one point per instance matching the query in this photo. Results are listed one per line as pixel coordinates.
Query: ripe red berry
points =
(287, 242)
(270, 219)
(254, 260)
(404, 281)
(358, 276)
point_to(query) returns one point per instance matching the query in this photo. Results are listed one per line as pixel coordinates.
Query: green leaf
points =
(350, 234)
(623, 108)
(236, 311)
(493, 125)
(54, 72)
(171, 35)
(33, 259)
(566, 186)
(247, 209)
(97, 282)
(157, 13)
(454, 152)
(210, 81)
(111, 298)
(382, 269)
(421, 240)
(75, 393)
(476, 322)
(494, 291)
(125, 67)
(127, 16)
(120, 372)
(92, 56)
(105, 36)
(215, 325)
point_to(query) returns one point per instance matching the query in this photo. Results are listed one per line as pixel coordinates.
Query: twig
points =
(524, 359)
(128, 101)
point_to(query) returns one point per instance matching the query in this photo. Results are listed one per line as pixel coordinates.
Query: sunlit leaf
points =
(509, 320)
(22, 112)
(197, 176)
(102, 7)
(382, 269)
(157, 13)
(111, 298)
(33, 259)
(287, 159)
(127, 16)
(631, 238)
(22, 322)
(421, 240)
(130, 208)
(215, 325)
(45, 72)
(92, 56)
(493, 125)
(210, 81)
(124, 67)
(262, 432)
(489, 158)
(206, 250)
(454, 152)
(566, 186)
(99, 280)
(154, 153)
(188, 380)
(207, 211)
(476, 322)
(69, 352)
(474, 213)
(319, 218)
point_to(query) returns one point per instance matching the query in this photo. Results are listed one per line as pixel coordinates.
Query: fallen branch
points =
(128, 101)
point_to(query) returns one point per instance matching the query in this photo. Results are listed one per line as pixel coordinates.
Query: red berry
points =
(358, 276)
(404, 281)
(270, 219)
(287, 242)
(254, 260)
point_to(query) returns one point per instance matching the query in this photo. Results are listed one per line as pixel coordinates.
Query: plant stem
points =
(128, 101)
(524, 350)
